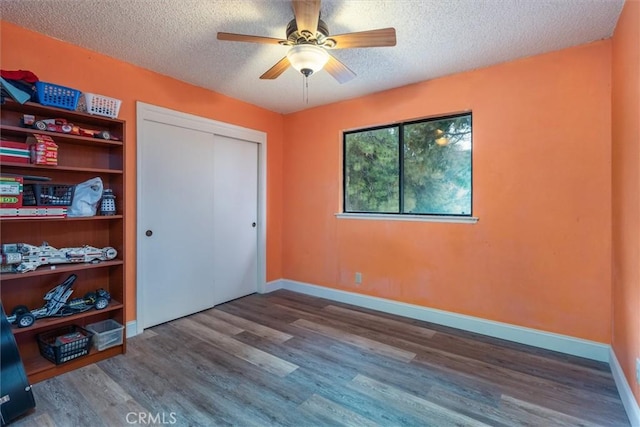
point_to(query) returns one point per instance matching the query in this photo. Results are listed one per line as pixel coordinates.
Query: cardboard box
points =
(16, 152)
(11, 189)
(44, 151)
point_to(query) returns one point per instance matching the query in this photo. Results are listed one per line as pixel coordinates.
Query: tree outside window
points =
(418, 168)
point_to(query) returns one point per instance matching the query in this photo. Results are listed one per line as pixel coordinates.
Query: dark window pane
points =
(372, 171)
(437, 166)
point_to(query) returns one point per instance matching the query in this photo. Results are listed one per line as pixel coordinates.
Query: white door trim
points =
(148, 112)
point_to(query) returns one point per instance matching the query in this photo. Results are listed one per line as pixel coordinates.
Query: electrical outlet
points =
(638, 371)
(358, 278)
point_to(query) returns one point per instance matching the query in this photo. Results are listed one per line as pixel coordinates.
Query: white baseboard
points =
(274, 285)
(547, 340)
(132, 329)
(626, 395)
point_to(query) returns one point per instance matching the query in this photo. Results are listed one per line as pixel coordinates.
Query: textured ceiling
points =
(434, 38)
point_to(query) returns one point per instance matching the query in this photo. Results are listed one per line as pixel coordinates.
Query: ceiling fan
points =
(309, 39)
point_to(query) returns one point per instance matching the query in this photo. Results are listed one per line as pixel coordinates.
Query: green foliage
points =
(372, 171)
(437, 167)
(436, 176)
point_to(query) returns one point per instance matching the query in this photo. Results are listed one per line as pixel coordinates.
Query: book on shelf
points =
(34, 212)
(11, 188)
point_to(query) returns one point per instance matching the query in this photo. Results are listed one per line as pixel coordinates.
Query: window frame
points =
(400, 215)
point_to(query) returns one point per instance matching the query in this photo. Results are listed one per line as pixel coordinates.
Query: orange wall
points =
(626, 190)
(540, 255)
(69, 65)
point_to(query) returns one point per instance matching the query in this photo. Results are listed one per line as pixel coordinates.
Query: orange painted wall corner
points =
(626, 191)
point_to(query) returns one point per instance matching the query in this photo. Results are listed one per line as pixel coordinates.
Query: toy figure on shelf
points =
(57, 306)
(22, 257)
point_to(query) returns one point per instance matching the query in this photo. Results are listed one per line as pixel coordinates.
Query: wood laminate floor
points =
(293, 360)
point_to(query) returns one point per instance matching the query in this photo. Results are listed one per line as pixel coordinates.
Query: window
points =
(417, 168)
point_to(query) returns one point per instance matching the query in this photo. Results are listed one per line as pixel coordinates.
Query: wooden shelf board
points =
(77, 218)
(59, 268)
(39, 109)
(42, 324)
(60, 168)
(39, 369)
(67, 137)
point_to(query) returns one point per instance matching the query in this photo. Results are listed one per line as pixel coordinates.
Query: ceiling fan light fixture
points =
(307, 58)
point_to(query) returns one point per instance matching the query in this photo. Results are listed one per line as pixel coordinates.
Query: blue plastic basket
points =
(57, 96)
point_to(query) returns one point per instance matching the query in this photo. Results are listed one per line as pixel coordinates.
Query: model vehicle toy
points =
(57, 304)
(54, 125)
(23, 257)
(63, 126)
(102, 134)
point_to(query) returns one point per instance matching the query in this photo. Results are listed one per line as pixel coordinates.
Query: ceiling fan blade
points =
(276, 70)
(246, 38)
(371, 38)
(338, 70)
(307, 13)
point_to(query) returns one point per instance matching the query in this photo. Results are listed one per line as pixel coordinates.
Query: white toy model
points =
(29, 257)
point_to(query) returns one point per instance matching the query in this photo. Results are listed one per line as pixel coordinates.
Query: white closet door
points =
(176, 233)
(235, 215)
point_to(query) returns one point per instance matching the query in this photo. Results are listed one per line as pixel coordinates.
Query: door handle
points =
(253, 224)
(149, 233)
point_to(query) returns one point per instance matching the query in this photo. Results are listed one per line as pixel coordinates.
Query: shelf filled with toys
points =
(62, 186)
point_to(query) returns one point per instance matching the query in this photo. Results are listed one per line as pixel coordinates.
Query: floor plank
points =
(215, 323)
(356, 340)
(253, 327)
(326, 411)
(287, 359)
(432, 413)
(536, 415)
(252, 355)
(372, 321)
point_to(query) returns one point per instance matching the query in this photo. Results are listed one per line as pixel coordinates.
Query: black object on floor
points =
(16, 396)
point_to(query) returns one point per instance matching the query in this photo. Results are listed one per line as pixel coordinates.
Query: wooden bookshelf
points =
(79, 158)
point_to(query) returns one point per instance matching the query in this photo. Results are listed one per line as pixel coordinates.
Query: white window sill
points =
(422, 218)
